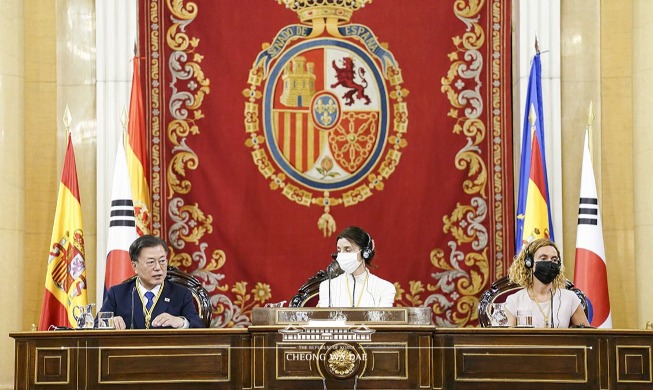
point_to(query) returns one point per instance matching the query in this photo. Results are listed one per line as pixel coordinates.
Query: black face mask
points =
(546, 271)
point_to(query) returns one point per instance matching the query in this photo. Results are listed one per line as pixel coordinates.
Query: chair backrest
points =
(502, 288)
(307, 294)
(200, 295)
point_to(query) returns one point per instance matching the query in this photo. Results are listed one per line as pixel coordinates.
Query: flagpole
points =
(590, 266)
(124, 121)
(65, 280)
(590, 121)
(533, 214)
(66, 119)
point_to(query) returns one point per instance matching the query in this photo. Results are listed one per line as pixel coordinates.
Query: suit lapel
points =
(139, 317)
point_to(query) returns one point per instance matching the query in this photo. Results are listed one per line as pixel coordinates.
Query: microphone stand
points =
(334, 256)
(329, 269)
(131, 326)
(551, 292)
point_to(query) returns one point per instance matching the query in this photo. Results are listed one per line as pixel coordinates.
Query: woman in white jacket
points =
(539, 270)
(357, 286)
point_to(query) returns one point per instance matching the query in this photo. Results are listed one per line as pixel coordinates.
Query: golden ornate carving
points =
(189, 223)
(355, 136)
(341, 360)
(322, 13)
(155, 117)
(463, 273)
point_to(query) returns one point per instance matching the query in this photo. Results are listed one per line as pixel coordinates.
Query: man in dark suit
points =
(148, 301)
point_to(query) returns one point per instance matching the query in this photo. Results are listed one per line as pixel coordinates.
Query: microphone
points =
(551, 292)
(131, 326)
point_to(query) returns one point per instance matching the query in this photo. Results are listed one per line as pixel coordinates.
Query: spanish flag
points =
(65, 280)
(136, 152)
(533, 208)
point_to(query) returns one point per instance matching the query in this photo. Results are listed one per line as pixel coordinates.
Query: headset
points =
(528, 259)
(367, 252)
(529, 262)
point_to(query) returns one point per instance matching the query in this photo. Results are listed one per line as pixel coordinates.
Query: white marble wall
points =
(76, 78)
(115, 37)
(643, 153)
(539, 19)
(12, 177)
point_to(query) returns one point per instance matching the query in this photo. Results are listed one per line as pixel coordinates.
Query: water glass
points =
(524, 319)
(105, 320)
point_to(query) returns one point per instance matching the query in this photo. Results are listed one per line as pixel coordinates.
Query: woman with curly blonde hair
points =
(538, 269)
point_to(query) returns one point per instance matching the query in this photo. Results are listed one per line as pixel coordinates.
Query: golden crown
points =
(308, 10)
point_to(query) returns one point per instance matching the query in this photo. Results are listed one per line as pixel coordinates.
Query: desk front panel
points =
(398, 359)
(395, 357)
(155, 359)
(52, 363)
(543, 359)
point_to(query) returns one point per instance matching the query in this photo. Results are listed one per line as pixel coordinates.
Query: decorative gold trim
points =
(424, 357)
(188, 224)
(397, 120)
(258, 345)
(36, 365)
(298, 348)
(458, 348)
(222, 347)
(650, 363)
(370, 347)
(464, 272)
(402, 310)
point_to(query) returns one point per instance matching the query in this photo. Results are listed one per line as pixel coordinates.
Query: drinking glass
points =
(105, 320)
(524, 318)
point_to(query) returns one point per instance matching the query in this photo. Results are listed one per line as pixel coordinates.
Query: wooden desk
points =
(415, 357)
(143, 359)
(395, 358)
(542, 359)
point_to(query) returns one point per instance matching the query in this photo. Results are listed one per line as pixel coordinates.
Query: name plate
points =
(369, 316)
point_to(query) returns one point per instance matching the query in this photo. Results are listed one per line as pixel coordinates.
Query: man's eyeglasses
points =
(151, 263)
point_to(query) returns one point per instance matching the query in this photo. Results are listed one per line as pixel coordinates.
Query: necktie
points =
(149, 295)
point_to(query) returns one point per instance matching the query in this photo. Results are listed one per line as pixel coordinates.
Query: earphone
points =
(528, 260)
(366, 253)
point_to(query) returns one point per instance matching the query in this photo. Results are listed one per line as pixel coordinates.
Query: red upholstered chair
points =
(200, 295)
(502, 288)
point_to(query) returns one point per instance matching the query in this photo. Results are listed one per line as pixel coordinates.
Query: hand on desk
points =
(163, 320)
(168, 320)
(119, 323)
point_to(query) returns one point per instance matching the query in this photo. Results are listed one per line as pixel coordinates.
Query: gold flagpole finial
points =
(123, 118)
(590, 121)
(537, 45)
(532, 117)
(590, 115)
(67, 119)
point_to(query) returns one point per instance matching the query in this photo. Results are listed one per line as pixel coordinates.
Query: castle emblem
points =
(325, 116)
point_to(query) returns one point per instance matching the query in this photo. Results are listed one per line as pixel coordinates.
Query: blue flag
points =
(533, 207)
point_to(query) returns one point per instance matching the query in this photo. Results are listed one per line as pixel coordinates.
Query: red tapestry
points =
(272, 128)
